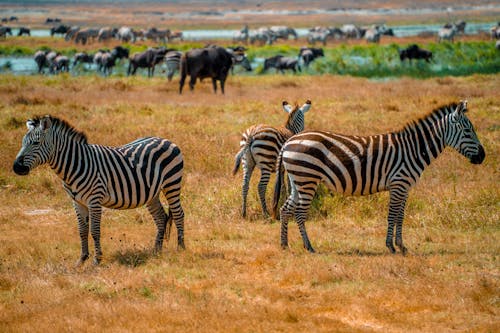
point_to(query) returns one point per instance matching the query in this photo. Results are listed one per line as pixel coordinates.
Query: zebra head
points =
(295, 121)
(461, 136)
(35, 148)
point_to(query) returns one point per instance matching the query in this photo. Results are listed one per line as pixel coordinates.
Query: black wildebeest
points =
(4, 31)
(415, 52)
(213, 62)
(60, 29)
(281, 63)
(83, 58)
(147, 59)
(308, 54)
(24, 31)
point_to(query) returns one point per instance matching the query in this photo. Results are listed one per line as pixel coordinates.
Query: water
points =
(399, 31)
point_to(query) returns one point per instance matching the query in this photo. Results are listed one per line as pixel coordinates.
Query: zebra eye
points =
(35, 143)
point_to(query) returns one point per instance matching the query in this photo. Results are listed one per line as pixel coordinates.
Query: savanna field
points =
(233, 275)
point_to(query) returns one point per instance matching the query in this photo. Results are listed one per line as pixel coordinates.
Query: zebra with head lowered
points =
(260, 146)
(362, 165)
(96, 176)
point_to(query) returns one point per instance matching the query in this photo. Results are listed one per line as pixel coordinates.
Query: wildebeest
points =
(213, 62)
(283, 32)
(126, 34)
(13, 18)
(281, 63)
(4, 31)
(447, 33)
(147, 59)
(60, 29)
(71, 32)
(41, 61)
(308, 54)
(52, 20)
(239, 57)
(24, 31)
(83, 58)
(415, 52)
(106, 33)
(59, 64)
(120, 52)
(86, 35)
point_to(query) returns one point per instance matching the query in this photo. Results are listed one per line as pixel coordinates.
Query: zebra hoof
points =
(404, 250)
(284, 246)
(96, 261)
(82, 260)
(310, 249)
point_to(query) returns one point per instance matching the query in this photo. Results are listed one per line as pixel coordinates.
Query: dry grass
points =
(233, 276)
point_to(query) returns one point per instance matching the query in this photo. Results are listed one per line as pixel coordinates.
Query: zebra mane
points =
(291, 115)
(437, 113)
(64, 126)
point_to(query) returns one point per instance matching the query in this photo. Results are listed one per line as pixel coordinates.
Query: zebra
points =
(259, 147)
(96, 176)
(362, 165)
(173, 62)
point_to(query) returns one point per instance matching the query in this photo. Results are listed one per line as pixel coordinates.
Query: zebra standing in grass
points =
(96, 176)
(260, 146)
(361, 165)
(173, 62)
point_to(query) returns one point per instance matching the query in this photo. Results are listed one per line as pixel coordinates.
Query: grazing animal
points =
(106, 33)
(308, 54)
(260, 146)
(320, 35)
(415, 52)
(71, 32)
(459, 26)
(13, 18)
(362, 165)
(147, 59)
(126, 34)
(239, 58)
(59, 64)
(283, 32)
(447, 34)
(241, 36)
(86, 35)
(281, 63)
(96, 176)
(83, 58)
(60, 29)
(351, 31)
(213, 62)
(98, 58)
(173, 61)
(24, 31)
(262, 35)
(4, 31)
(120, 52)
(175, 35)
(372, 35)
(41, 61)
(157, 35)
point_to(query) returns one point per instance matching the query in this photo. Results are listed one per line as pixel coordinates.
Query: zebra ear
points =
(287, 107)
(306, 106)
(462, 107)
(45, 123)
(30, 124)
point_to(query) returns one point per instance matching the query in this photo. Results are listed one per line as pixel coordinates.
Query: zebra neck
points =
(295, 122)
(423, 141)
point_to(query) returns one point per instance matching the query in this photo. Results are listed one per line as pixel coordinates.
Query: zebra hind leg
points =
(264, 180)
(300, 217)
(82, 214)
(286, 212)
(248, 166)
(176, 212)
(160, 218)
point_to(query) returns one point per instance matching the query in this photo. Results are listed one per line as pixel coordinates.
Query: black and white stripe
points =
(260, 146)
(361, 165)
(96, 176)
(173, 62)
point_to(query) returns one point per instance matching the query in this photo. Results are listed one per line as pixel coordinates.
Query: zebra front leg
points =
(397, 201)
(160, 218)
(82, 213)
(264, 180)
(95, 229)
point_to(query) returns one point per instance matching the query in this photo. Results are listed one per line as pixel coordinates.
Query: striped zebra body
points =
(260, 146)
(173, 62)
(96, 176)
(361, 165)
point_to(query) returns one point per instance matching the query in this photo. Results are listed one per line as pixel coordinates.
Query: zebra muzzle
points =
(19, 168)
(479, 157)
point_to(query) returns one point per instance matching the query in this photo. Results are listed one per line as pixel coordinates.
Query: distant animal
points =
(241, 35)
(262, 35)
(497, 45)
(209, 62)
(71, 32)
(175, 35)
(98, 58)
(83, 58)
(24, 31)
(283, 32)
(96, 176)
(172, 61)
(280, 63)
(4, 31)
(60, 29)
(260, 146)
(120, 52)
(321, 35)
(447, 34)
(51, 55)
(415, 52)
(459, 26)
(52, 20)
(495, 31)
(239, 58)
(308, 54)
(13, 18)
(108, 61)
(126, 34)
(147, 59)
(372, 35)
(86, 35)
(41, 61)
(157, 35)
(106, 33)
(59, 64)
(5, 20)
(351, 31)
(363, 165)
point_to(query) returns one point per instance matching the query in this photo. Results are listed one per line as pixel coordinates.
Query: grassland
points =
(233, 277)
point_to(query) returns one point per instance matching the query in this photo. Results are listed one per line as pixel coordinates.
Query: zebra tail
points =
(277, 186)
(241, 153)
